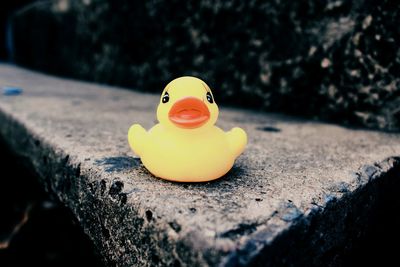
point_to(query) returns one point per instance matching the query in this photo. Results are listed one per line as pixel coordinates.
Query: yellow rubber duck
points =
(185, 146)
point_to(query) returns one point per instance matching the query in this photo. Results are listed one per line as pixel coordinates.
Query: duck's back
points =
(174, 155)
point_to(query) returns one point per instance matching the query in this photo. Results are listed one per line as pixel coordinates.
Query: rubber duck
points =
(186, 146)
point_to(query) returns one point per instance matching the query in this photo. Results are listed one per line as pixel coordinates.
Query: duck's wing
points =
(237, 139)
(137, 138)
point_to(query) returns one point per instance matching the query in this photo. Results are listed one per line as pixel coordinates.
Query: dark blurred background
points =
(35, 229)
(335, 60)
(7, 9)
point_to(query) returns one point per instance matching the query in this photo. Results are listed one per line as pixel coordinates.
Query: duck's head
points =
(187, 103)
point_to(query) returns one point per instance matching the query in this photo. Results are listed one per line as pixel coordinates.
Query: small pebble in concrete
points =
(269, 129)
(290, 212)
(11, 91)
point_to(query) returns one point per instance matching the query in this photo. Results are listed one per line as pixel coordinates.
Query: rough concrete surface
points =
(301, 191)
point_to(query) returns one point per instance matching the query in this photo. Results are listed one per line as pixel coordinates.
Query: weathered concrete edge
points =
(57, 171)
(310, 238)
(135, 241)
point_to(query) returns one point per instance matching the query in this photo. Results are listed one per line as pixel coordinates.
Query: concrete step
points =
(300, 189)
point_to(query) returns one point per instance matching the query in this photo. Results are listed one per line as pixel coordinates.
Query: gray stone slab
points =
(293, 174)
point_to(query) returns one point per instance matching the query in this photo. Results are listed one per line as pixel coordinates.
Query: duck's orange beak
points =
(189, 113)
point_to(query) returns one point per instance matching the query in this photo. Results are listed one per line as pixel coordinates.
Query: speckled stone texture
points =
(333, 60)
(301, 193)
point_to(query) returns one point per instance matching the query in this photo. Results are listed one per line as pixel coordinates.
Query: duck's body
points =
(198, 157)
(189, 149)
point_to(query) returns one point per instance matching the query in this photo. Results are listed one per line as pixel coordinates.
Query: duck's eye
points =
(165, 98)
(209, 97)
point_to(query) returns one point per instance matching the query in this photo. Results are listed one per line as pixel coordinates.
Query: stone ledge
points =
(293, 196)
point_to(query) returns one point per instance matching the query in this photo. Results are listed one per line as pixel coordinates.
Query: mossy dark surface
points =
(331, 60)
